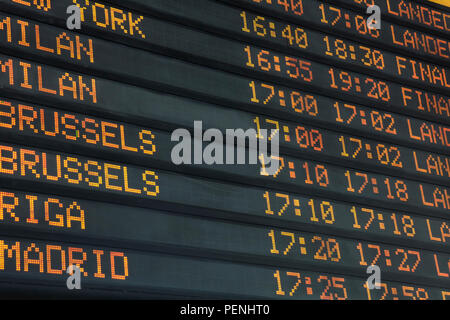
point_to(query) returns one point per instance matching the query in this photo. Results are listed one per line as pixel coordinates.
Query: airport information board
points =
(363, 117)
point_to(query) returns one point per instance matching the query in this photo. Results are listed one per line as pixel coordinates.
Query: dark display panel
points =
(35, 165)
(21, 121)
(223, 53)
(31, 260)
(43, 83)
(86, 174)
(283, 35)
(108, 224)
